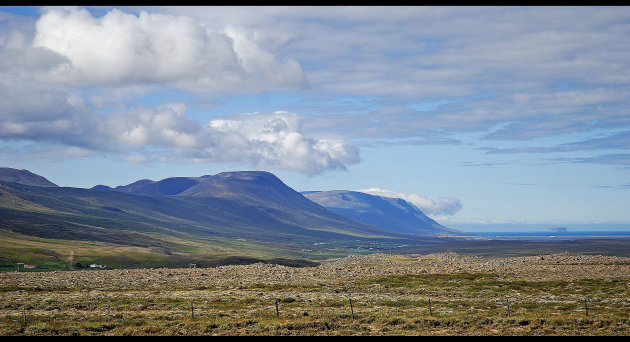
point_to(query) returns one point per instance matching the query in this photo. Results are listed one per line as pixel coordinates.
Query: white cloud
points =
(126, 55)
(514, 73)
(273, 141)
(121, 48)
(276, 141)
(526, 65)
(165, 125)
(40, 111)
(427, 204)
(137, 159)
(268, 141)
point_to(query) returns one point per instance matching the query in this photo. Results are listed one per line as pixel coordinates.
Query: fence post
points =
(108, 313)
(507, 303)
(192, 310)
(586, 306)
(24, 314)
(277, 312)
(430, 311)
(351, 309)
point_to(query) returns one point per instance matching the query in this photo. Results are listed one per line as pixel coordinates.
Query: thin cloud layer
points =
(513, 73)
(611, 142)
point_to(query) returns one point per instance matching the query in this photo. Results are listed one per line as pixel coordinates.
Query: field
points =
(378, 294)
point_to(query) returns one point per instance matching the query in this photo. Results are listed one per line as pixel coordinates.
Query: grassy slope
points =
(58, 254)
(172, 214)
(46, 226)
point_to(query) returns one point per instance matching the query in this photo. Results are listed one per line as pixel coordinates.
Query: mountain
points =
(394, 214)
(231, 217)
(101, 187)
(125, 188)
(257, 198)
(258, 186)
(23, 177)
(232, 205)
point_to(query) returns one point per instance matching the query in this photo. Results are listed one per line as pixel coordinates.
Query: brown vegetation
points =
(556, 294)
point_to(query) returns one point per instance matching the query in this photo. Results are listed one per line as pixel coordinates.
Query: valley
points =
(225, 219)
(241, 253)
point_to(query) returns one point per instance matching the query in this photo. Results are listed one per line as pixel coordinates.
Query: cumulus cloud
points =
(39, 111)
(546, 72)
(164, 125)
(121, 48)
(42, 73)
(273, 141)
(263, 140)
(427, 204)
(276, 141)
(268, 141)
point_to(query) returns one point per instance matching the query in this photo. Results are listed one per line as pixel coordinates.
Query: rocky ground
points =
(547, 267)
(549, 295)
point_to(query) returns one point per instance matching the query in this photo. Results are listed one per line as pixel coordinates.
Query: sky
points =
(503, 117)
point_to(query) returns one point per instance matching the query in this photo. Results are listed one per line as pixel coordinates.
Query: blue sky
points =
(499, 116)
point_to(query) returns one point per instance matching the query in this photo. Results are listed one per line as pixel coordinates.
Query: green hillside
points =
(248, 215)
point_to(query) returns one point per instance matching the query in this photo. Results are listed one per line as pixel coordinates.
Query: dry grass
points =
(390, 296)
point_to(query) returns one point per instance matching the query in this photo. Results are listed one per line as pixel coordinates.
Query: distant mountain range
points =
(228, 218)
(394, 214)
(229, 206)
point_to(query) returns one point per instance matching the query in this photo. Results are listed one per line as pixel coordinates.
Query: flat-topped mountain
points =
(248, 204)
(394, 214)
(263, 190)
(25, 177)
(178, 220)
(238, 185)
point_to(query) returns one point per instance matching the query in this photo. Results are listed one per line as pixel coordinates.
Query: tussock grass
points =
(465, 303)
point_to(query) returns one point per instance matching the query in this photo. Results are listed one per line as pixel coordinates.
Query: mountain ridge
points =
(238, 204)
(25, 177)
(394, 214)
(176, 220)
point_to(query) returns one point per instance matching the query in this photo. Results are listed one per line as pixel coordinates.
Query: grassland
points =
(436, 294)
(60, 254)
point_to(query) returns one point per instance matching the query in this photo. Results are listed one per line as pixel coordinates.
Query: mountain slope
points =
(394, 214)
(250, 205)
(260, 199)
(177, 221)
(26, 177)
(133, 186)
(168, 186)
